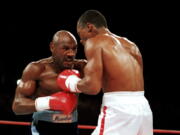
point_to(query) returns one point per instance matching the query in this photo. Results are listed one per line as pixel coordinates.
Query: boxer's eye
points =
(66, 48)
(75, 48)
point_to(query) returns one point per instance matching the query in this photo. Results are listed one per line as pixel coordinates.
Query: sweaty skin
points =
(114, 63)
(39, 78)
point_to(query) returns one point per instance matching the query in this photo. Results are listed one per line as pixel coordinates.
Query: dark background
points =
(27, 30)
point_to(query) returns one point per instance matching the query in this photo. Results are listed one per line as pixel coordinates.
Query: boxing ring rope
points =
(162, 131)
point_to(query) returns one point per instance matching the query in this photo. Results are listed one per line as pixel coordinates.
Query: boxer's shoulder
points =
(126, 41)
(101, 40)
(35, 68)
(40, 64)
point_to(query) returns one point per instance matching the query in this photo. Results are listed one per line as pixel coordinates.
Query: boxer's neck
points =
(103, 31)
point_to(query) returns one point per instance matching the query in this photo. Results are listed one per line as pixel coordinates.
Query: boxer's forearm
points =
(69, 80)
(23, 106)
(88, 87)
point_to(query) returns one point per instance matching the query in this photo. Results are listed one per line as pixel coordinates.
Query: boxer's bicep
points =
(26, 87)
(22, 96)
(27, 84)
(93, 71)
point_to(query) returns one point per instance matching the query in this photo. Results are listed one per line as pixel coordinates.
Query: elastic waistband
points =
(123, 97)
(55, 116)
(125, 93)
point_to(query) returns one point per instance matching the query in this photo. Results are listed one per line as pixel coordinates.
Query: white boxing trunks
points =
(124, 113)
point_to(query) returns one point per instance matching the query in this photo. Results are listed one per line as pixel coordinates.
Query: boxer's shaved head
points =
(63, 35)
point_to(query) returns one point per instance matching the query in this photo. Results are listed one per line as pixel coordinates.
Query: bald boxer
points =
(115, 65)
(37, 91)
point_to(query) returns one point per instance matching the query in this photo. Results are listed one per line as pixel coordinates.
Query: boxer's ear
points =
(90, 27)
(51, 45)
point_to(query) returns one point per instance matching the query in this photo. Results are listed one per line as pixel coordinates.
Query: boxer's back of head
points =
(93, 17)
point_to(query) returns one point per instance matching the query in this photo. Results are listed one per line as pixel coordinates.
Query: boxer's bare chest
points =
(46, 85)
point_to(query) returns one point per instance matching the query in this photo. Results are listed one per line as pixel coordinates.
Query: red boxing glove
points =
(60, 101)
(68, 79)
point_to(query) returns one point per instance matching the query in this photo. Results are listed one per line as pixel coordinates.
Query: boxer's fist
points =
(68, 79)
(63, 101)
(60, 101)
